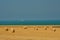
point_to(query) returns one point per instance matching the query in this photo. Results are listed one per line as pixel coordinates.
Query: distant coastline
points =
(31, 22)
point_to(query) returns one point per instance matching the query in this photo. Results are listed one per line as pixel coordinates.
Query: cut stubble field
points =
(29, 33)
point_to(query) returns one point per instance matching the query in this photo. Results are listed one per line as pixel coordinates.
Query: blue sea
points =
(30, 22)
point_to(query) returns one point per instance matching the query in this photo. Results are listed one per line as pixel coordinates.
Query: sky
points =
(29, 9)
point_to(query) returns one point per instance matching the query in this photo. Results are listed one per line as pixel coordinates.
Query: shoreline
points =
(52, 26)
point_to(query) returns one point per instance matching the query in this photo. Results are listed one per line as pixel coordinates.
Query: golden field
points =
(29, 32)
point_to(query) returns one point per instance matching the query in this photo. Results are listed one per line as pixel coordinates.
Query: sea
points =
(30, 22)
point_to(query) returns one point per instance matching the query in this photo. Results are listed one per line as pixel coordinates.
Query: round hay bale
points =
(54, 29)
(25, 27)
(36, 28)
(6, 28)
(46, 28)
(13, 30)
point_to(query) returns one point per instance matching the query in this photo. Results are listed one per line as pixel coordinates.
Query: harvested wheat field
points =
(29, 32)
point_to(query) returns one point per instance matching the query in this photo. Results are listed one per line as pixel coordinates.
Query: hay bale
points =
(36, 28)
(6, 29)
(13, 30)
(54, 29)
(46, 28)
(25, 27)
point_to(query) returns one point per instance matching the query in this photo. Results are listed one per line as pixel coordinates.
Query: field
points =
(29, 32)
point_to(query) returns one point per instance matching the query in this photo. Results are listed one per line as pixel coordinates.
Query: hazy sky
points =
(29, 9)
